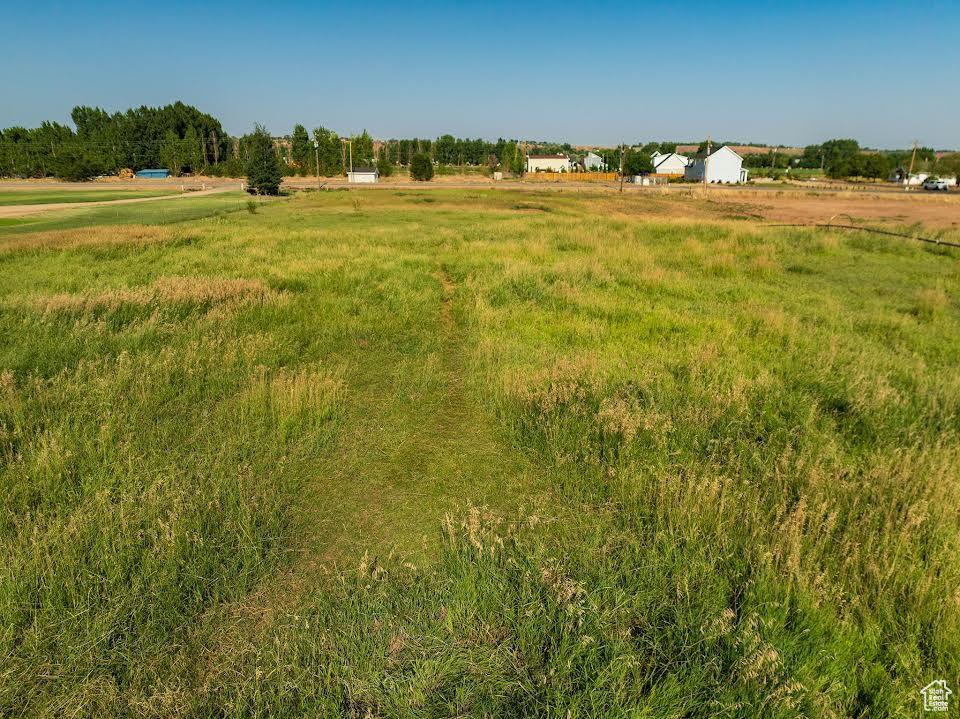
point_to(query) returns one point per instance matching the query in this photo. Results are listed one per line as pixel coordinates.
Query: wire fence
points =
(874, 230)
(571, 176)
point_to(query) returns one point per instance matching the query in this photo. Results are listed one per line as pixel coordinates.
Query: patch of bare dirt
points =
(940, 212)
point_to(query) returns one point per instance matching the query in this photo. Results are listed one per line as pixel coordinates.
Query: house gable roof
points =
(657, 161)
(701, 155)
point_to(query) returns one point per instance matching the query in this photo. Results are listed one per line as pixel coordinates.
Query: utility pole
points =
(913, 158)
(351, 156)
(316, 149)
(621, 167)
(706, 160)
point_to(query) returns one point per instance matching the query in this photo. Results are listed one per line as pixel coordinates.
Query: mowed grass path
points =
(52, 196)
(176, 209)
(690, 467)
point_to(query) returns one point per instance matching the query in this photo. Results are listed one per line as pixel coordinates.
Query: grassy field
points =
(51, 196)
(796, 173)
(476, 453)
(137, 213)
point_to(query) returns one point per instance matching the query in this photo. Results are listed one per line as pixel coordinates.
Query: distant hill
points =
(747, 149)
(739, 149)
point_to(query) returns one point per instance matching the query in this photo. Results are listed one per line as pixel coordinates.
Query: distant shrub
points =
(421, 168)
(384, 167)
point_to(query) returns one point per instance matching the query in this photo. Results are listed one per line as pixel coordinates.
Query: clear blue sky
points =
(883, 72)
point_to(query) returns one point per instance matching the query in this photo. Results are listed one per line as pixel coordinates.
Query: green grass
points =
(688, 469)
(141, 213)
(42, 197)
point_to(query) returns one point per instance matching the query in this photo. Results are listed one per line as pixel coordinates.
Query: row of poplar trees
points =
(330, 152)
(178, 137)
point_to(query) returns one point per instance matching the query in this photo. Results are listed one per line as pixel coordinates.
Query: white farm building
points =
(669, 163)
(363, 175)
(722, 165)
(548, 163)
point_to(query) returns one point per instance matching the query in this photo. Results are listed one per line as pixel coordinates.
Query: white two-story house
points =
(722, 165)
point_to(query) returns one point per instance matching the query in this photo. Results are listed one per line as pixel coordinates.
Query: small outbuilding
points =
(363, 175)
(649, 180)
(156, 174)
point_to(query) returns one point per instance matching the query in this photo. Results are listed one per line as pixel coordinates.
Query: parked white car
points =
(936, 185)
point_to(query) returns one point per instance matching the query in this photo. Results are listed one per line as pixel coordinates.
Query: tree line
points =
(323, 148)
(183, 139)
(845, 158)
(178, 136)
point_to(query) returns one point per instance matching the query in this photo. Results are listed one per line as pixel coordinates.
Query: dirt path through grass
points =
(413, 447)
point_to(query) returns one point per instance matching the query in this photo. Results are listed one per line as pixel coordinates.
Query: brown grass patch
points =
(723, 263)
(764, 262)
(930, 302)
(85, 237)
(210, 291)
(295, 391)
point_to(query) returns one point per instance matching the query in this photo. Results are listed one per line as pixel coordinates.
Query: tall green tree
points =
(192, 150)
(171, 153)
(838, 154)
(949, 165)
(263, 166)
(874, 166)
(812, 157)
(511, 157)
(301, 149)
(363, 155)
(331, 152)
(445, 150)
(636, 162)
